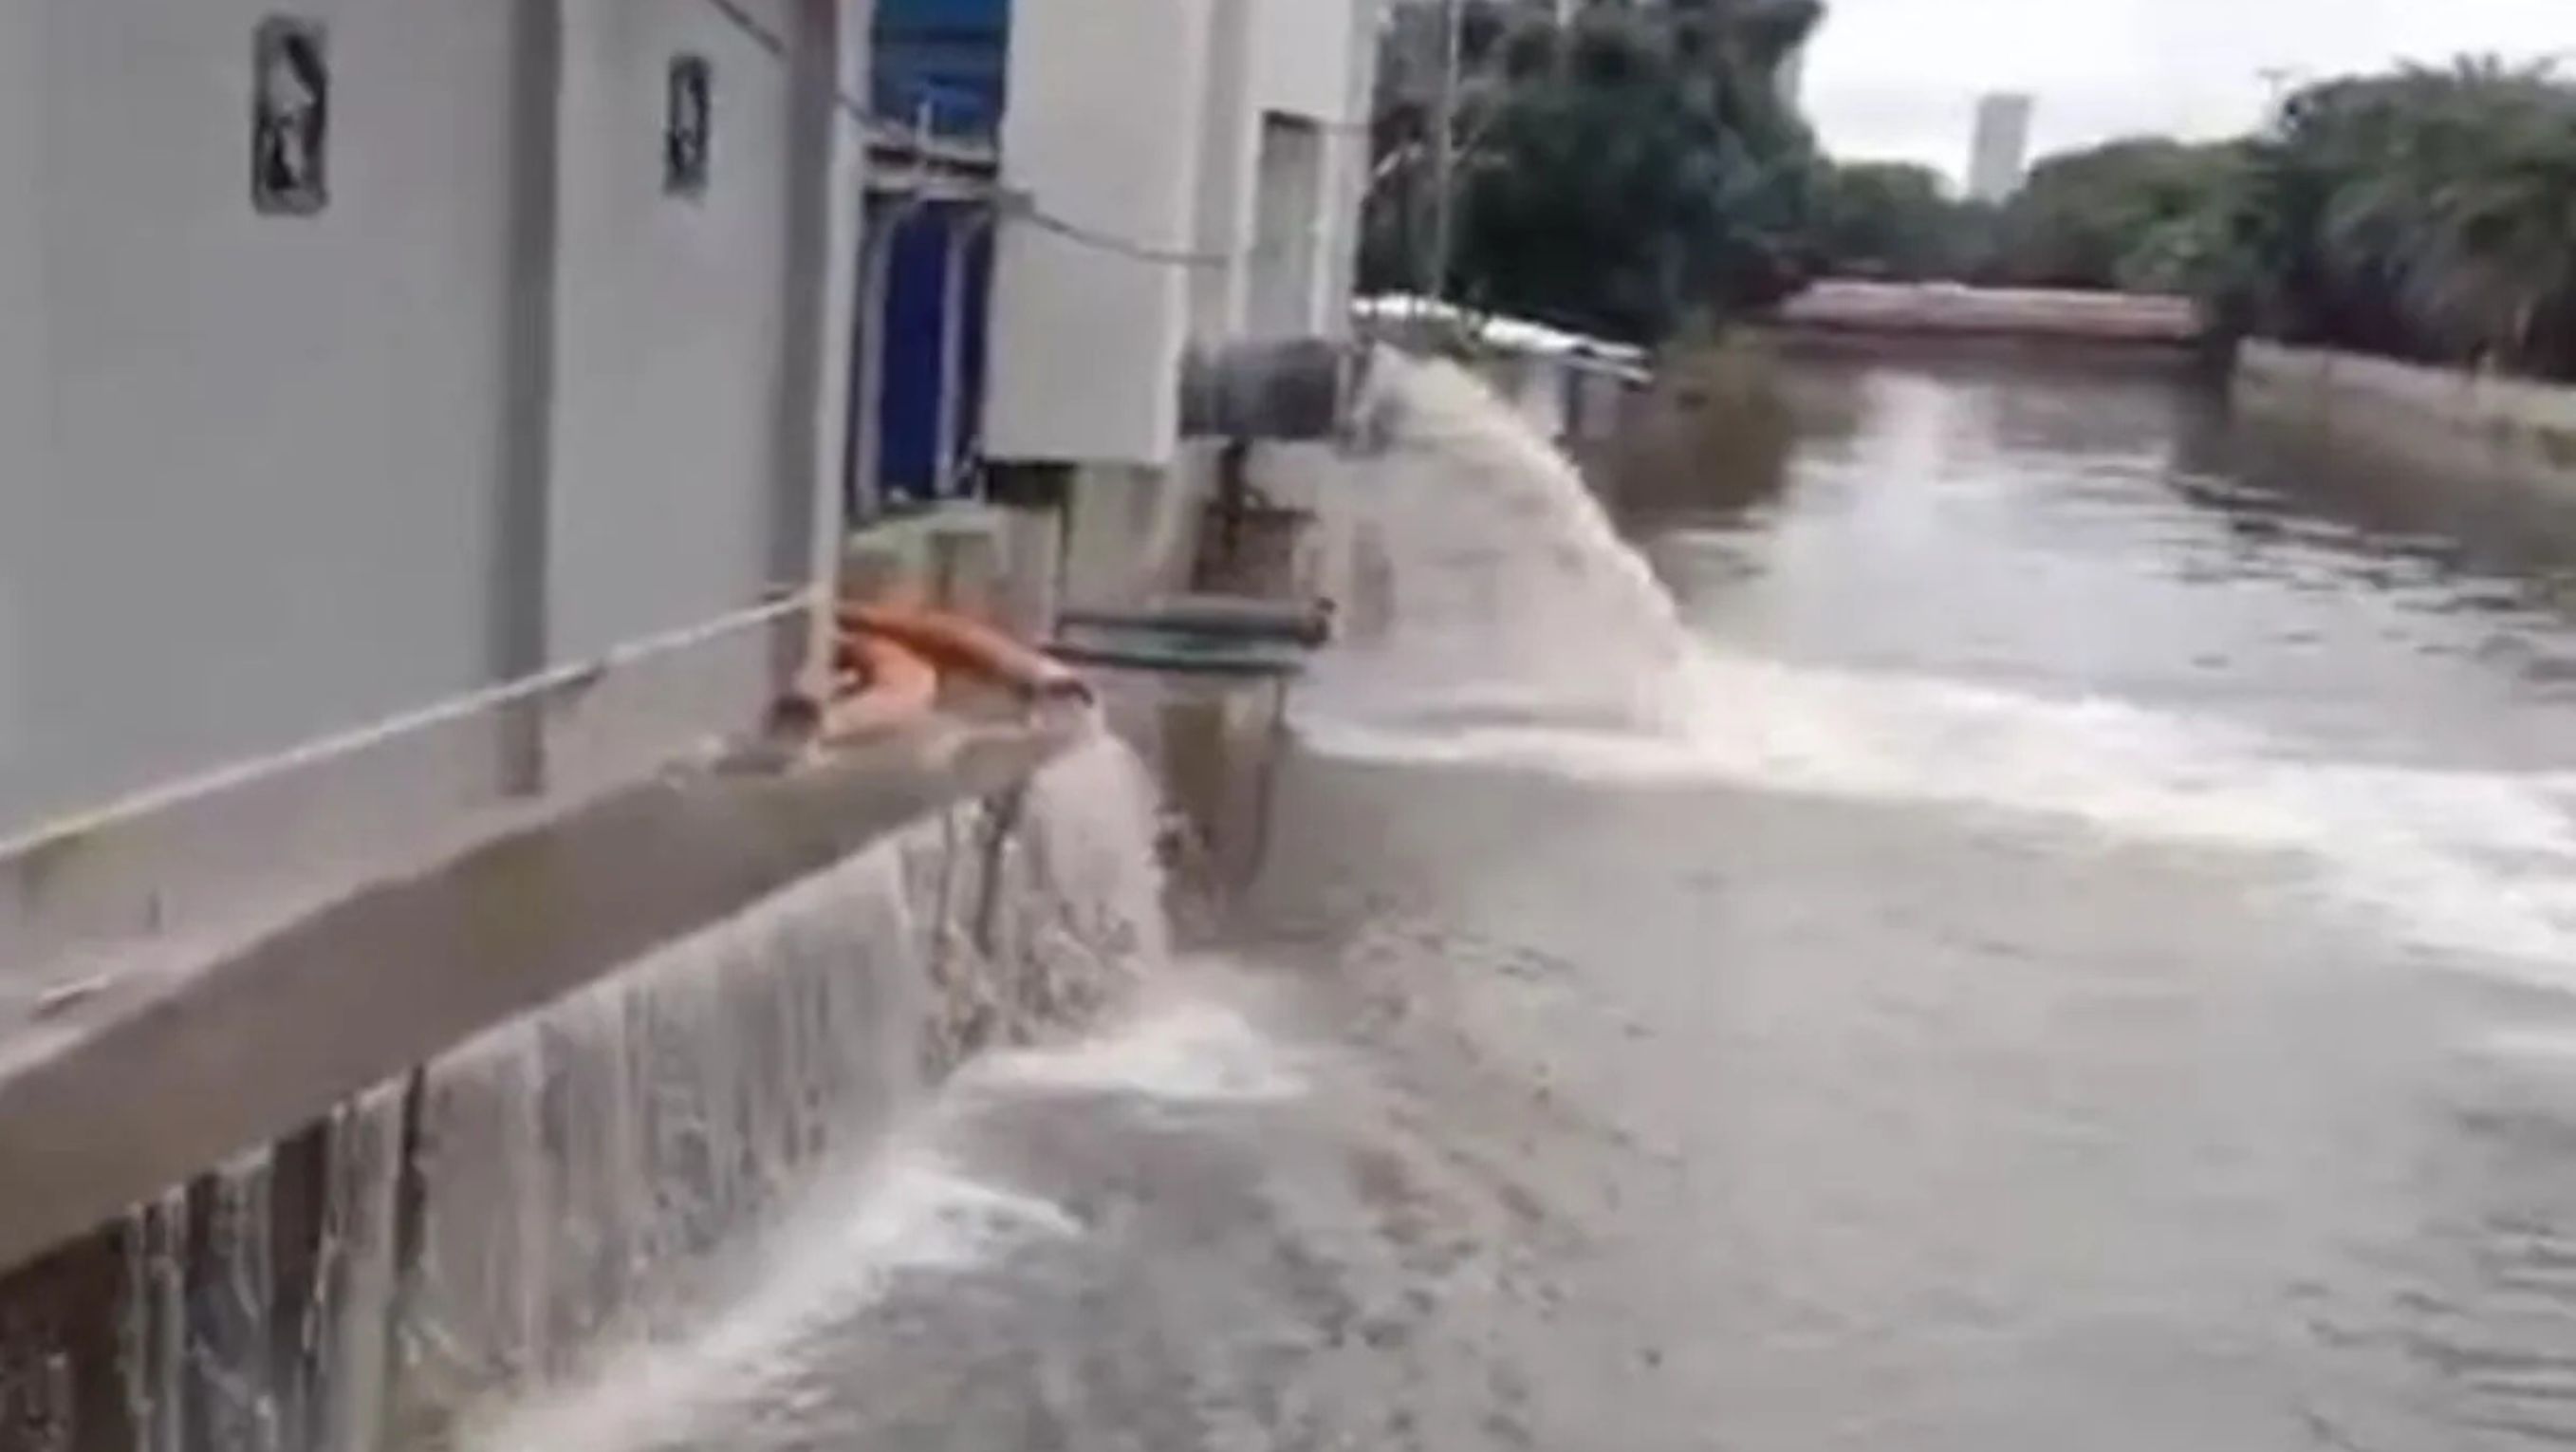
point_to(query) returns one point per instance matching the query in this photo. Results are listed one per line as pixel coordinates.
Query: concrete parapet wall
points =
(417, 1244)
(88, 905)
(2498, 429)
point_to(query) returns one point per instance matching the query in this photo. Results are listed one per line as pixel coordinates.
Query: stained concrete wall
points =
(1291, 229)
(2493, 428)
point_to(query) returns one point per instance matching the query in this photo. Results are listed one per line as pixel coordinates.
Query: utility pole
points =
(1444, 153)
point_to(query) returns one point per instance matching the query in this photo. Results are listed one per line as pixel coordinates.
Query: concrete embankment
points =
(2462, 423)
(1947, 312)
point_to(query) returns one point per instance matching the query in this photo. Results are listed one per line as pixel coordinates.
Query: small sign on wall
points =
(290, 129)
(688, 139)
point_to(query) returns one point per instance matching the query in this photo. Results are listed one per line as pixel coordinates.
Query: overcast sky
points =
(1898, 79)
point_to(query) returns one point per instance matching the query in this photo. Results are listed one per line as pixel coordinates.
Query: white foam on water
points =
(1523, 633)
(915, 1213)
(1188, 1052)
(766, 1359)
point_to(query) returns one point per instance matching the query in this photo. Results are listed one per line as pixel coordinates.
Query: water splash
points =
(752, 1370)
(1516, 629)
(774, 1367)
(1493, 590)
(597, 1175)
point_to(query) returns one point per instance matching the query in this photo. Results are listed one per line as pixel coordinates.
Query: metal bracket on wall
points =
(688, 127)
(290, 117)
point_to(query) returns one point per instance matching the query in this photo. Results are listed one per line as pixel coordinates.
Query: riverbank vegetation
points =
(1637, 170)
(2427, 214)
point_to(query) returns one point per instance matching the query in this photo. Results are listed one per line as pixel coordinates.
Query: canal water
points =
(1932, 907)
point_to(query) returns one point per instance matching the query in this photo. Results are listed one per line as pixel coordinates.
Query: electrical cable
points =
(1016, 205)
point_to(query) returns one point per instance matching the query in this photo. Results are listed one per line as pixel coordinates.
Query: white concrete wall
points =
(1287, 221)
(1305, 57)
(24, 391)
(1317, 62)
(1143, 120)
(1229, 159)
(1104, 133)
(669, 314)
(2489, 427)
(501, 403)
(261, 501)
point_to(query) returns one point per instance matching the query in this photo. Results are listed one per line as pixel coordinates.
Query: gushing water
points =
(1508, 624)
(1495, 593)
(599, 1184)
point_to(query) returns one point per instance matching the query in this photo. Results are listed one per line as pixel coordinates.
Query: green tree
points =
(1893, 220)
(1622, 174)
(2134, 214)
(2427, 214)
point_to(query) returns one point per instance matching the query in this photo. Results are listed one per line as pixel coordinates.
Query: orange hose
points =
(954, 642)
(886, 665)
(893, 686)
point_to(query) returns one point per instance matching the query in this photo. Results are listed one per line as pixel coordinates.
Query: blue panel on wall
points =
(916, 298)
(949, 56)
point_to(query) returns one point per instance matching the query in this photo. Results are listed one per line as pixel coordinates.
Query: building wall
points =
(669, 313)
(23, 387)
(1317, 65)
(1304, 53)
(261, 502)
(2001, 150)
(1228, 131)
(500, 404)
(1292, 227)
(1104, 134)
(1229, 158)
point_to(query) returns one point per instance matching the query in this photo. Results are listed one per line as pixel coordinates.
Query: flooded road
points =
(1990, 911)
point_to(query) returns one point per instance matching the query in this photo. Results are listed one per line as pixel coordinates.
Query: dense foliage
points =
(1637, 168)
(2133, 215)
(1621, 174)
(1896, 221)
(2136, 215)
(2428, 214)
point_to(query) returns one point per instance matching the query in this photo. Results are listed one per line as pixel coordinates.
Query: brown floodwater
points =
(1980, 907)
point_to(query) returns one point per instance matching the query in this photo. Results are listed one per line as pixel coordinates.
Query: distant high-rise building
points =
(1792, 79)
(2002, 146)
